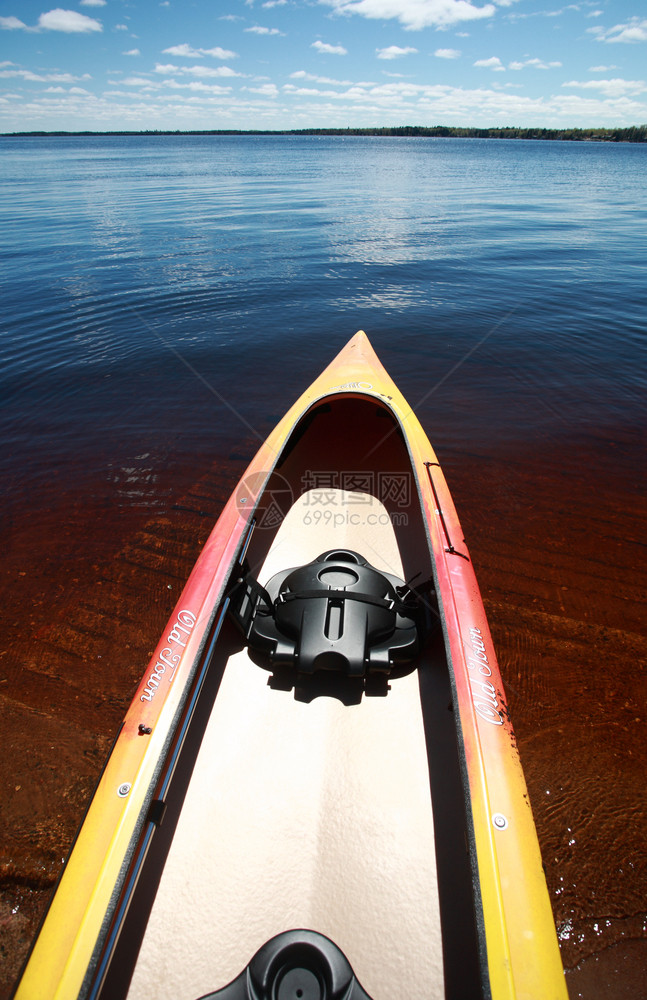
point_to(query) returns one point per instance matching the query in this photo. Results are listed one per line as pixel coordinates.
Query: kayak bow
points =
(371, 828)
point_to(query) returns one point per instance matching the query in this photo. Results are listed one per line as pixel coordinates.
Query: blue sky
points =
(258, 64)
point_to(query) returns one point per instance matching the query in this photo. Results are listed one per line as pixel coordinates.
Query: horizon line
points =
(631, 133)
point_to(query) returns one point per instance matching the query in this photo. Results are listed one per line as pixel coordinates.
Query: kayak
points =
(316, 791)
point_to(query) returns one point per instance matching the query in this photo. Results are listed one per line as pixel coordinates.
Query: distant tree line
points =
(635, 133)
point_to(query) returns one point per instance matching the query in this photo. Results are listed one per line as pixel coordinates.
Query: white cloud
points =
(197, 86)
(289, 88)
(218, 53)
(330, 50)
(611, 88)
(69, 21)
(93, 3)
(27, 74)
(199, 71)
(136, 81)
(183, 50)
(534, 64)
(414, 14)
(394, 52)
(601, 69)
(218, 71)
(447, 53)
(635, 30)
(493, 63)
(302, 75)
(132, 52)
(258, 30)
(266, 90)
(189, 52)
(11, 23)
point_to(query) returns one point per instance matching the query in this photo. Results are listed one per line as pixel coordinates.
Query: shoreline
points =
(634, 133)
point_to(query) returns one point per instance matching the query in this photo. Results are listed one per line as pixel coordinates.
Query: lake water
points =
(164, 299)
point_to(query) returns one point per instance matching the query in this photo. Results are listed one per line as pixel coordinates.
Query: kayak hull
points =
(458, 800)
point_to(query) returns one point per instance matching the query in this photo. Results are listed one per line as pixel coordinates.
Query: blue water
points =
(502, 283)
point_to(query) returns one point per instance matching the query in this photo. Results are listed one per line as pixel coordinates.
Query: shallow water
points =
(166, 298)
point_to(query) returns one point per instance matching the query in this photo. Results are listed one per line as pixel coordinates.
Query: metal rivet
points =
(123, 790)
(500, 821)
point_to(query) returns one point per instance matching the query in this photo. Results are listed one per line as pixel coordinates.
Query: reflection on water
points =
(502, 284)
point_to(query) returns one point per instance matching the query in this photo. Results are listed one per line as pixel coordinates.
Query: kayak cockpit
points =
(335, 626)
(289, 809)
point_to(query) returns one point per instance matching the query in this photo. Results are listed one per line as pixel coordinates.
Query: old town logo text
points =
(169, 657)
(483, 691)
